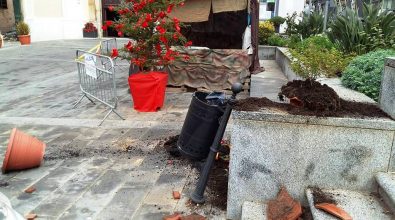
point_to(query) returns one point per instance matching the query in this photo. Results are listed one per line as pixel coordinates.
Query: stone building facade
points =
(7, 18)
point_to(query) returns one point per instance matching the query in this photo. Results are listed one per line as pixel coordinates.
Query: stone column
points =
(387, 91)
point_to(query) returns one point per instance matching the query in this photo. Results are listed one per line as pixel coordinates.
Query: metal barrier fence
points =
(97, 80)
(106, 47)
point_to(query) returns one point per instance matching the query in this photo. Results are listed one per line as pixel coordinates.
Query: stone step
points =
(253, 211)
(386, 182)
(359, 205)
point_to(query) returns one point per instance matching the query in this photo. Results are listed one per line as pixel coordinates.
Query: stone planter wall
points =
(267, 52)
(270, 149)
(387, 91)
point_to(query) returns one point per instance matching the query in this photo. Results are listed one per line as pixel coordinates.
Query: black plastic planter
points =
(200, 127)
(89, 34)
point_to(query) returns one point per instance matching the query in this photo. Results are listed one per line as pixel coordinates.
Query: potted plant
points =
(23, 31)
(155, 36)
(89, 30)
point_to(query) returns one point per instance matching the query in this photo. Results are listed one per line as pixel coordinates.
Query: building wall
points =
(283, 8)
(7, 18)
(58, 19)
(289, 7)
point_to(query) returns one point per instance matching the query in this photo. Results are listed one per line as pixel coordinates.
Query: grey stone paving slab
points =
(358, 205)
(253, 211)
(124, 203)
(64, 196)
(25, 202)
(152, 212)
(386, 182)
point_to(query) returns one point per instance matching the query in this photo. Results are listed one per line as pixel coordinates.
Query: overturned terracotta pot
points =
(334, 210)
(23, 152)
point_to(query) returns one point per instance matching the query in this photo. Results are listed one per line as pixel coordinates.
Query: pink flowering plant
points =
(153, 33)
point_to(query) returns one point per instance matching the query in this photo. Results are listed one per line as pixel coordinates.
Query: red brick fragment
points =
(176, 195)
(30, 189)
(175, 216)
(193, 217)
(31, 216)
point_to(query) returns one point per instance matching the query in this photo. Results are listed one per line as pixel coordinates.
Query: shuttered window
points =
(3, 4)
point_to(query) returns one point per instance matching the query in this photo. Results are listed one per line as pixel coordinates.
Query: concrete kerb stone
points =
(386, 182)
(359, 205)
(271, 149)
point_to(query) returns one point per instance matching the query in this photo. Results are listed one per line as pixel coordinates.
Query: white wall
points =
(289, 7)
(56, 19)
(263, 14)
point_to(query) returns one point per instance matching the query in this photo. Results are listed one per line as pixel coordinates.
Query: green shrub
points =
(276, 40)
(22, 28)
(320, 41)
(266, 29)
(317, 56)
(277, 20)
(354, 34)
(308, 26)
(363, 74)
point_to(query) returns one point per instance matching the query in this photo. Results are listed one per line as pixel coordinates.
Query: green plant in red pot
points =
(23, 31)
(154, 38)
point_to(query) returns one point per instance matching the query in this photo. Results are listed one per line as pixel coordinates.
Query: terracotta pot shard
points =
(334, 210)
(295, 101)
(284, 207)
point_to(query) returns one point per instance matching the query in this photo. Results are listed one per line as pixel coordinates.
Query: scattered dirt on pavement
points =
(118, 149)
(171, 146)
(320, 197)
(316, 100)
(4, 184)
(217, 186)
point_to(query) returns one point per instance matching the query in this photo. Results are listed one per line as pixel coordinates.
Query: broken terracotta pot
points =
(23, 152)
(334, 210)
(284, 207)
(295, 101)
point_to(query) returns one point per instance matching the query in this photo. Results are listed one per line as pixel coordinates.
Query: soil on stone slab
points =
(217, 186)
(311, 95)
(320, 197)
(315, 100)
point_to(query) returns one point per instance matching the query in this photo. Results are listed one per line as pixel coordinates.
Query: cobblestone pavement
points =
(116, 171)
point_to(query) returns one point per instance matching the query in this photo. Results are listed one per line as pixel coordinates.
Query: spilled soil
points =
(320, 197)
(217, 186)
(158, 152)
(310, 98)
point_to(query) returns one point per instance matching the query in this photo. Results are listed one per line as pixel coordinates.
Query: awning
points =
(199, 10)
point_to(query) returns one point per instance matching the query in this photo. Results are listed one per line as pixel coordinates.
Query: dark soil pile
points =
(321, 197)
(217, 186)
(312, 95)
(306, 101)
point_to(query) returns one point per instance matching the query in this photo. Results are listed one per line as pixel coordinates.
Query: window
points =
(3, 4)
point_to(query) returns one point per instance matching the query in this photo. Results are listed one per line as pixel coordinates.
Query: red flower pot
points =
(23, 152)
(24, 39)
(148, 90)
